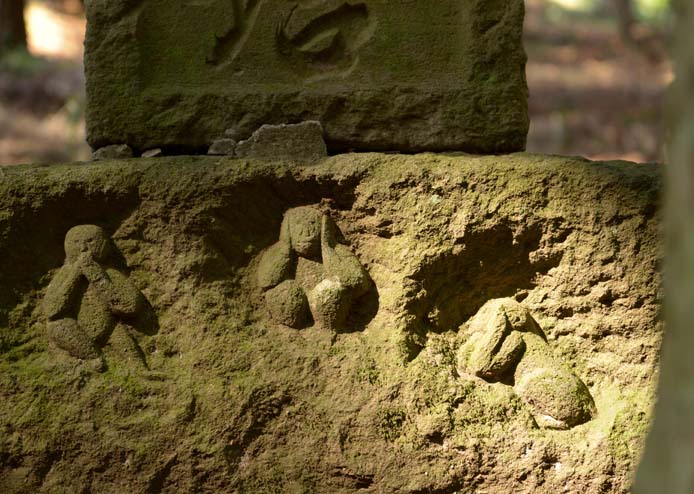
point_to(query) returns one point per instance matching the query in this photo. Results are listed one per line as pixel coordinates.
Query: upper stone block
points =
(408, 75)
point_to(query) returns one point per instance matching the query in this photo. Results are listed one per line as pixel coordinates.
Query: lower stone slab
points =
(371, 323)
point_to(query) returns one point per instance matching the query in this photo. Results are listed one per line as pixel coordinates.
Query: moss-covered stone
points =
(506, 344)
(377, 74)
(233, 401)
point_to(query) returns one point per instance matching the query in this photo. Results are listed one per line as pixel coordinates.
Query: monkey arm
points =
(60, 293)
(277, 261)
(126, 300)
(509, 354)
(340, 261)
(114, 289)
(498, 349)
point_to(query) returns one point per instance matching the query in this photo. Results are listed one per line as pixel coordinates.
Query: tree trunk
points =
(626, 20)
(667, 465)
(12, 27)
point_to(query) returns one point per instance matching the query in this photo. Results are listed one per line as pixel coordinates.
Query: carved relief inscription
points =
(304, 38)
(325, 33)
(229, 45)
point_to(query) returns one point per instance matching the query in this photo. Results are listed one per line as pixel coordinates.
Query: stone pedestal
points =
(245, 384)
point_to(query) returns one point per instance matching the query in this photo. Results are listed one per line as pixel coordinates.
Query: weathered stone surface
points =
(299, 142)
(112, 152)
(235, 402)
(222, 147)
(378, 74)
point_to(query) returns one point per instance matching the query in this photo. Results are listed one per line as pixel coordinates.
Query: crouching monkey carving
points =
(311, 273)
(507, 345)
(90, 304)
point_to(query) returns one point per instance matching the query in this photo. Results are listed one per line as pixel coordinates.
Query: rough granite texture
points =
(230, 401)
(378, 74)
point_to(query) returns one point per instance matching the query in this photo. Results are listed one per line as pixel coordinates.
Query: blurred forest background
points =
(597, 71)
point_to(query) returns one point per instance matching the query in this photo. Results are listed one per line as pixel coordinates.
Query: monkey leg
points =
(126, 347)
(67, 335)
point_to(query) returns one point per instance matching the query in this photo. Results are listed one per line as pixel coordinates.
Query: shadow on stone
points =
(490, 263)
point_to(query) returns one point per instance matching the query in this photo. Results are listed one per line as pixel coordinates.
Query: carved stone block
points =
(377, 74)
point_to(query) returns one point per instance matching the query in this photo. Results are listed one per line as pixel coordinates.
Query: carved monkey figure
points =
(88, 300)
(507, 345)
(311, 272)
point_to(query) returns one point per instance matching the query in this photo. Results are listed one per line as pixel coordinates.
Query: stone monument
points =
(475, 323)
(386, 75)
